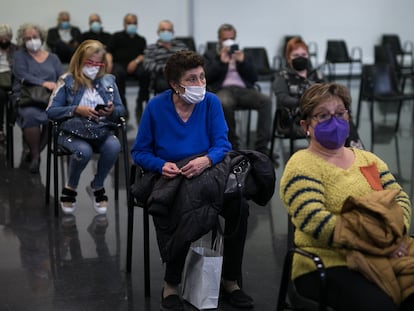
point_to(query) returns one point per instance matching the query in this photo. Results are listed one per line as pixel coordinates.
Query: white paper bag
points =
(202, 277)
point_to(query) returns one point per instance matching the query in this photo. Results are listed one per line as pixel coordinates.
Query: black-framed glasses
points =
(326, 115)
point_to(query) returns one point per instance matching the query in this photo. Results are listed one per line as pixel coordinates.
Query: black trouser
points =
(3, 104)
(140, 74)
(350, 290)
(234, 239)
(235, 98)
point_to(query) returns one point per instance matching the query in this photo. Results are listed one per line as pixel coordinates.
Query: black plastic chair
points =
(337, 53)
(380, 83)
(189, 42)
(132, 202)
(10, 121)
(258, 55)
(289, 298)
(292, 136)
(55, 150)
(401, 52)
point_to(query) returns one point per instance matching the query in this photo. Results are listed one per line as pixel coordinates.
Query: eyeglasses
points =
(193, 79)
(325, 115)
(91, 63)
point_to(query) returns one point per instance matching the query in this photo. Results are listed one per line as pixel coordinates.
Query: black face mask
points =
(4, 44)
(300, 63)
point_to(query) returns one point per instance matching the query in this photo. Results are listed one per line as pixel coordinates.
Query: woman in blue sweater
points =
(186, 121)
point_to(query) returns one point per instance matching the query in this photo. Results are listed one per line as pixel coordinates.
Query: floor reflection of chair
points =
(81, 277)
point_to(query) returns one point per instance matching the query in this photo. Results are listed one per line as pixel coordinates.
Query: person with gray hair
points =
(96, 31)
(64, 38)
(7, 49)
(33, 65)
(232, 76)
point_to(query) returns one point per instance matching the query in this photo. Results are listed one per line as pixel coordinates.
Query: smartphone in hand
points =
(233, 48)
(100, 107)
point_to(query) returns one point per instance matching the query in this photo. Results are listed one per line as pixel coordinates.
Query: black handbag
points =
(34, 95)
(288, 122)
(236, 181)
(88, 129)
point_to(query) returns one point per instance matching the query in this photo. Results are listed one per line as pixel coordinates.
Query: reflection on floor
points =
(78, 262)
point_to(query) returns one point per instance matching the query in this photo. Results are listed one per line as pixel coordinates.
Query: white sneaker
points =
(68, 201)
(99, 199)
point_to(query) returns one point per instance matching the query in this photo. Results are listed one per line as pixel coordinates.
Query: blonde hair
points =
(85, 50)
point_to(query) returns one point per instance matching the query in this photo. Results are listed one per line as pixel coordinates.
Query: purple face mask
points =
(332, 133)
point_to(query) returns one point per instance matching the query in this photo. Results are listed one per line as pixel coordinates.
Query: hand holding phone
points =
(233, 48)
(100, 107)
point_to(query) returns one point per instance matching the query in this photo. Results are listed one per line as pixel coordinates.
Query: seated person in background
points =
(232, 76)
(186, 121)
(125, 59)
(289, 86)
(7, 49)
(96, 31)
(78, 93)
(315, 184)
(156, 55)
(34, 66)
(64, 38)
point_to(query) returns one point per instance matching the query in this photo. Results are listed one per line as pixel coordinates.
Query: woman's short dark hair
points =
(180, 62)
(320, 92)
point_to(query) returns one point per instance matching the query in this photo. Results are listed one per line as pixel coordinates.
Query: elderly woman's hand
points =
(170, 170)
(196, 166)
(107, 111)
(401, 251)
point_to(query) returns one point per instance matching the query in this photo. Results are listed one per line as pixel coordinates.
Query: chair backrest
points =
(393, 41)
(189, 42)
(258, 55)
(211, 46)
(337, 52)
(379, 80)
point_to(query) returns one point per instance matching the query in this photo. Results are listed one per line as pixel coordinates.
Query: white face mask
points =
(193, 94)
(33, 45)
(91, 71)
(228, 42)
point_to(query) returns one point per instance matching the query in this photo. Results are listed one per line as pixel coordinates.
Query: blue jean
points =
(82, 152)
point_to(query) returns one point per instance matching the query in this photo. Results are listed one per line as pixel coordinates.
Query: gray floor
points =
(79, 263)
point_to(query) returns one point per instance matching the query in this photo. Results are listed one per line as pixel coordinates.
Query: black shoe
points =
(238, 299)
(171, 303)
(34, 166)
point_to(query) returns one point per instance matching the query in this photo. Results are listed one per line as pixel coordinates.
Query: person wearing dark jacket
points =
(64, 38)
(125, 59)
(183, 137)
(289, 86)
(232, 76)
(96, 31)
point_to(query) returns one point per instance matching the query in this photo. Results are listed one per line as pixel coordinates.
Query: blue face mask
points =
(166, 36)
(64, 25)
(131, 29)
(96, 27)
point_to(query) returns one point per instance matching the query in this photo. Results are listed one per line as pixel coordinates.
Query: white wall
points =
(259, 22)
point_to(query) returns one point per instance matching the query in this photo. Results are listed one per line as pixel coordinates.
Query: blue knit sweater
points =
(163, 136)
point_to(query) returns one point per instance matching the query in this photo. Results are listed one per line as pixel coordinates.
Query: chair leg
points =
(130, 230)
(371, 116)
(116, 180)
(55, 178)
(9, 133)
(146, 253)
(249, 117)
(48, 160)
(397, 123)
